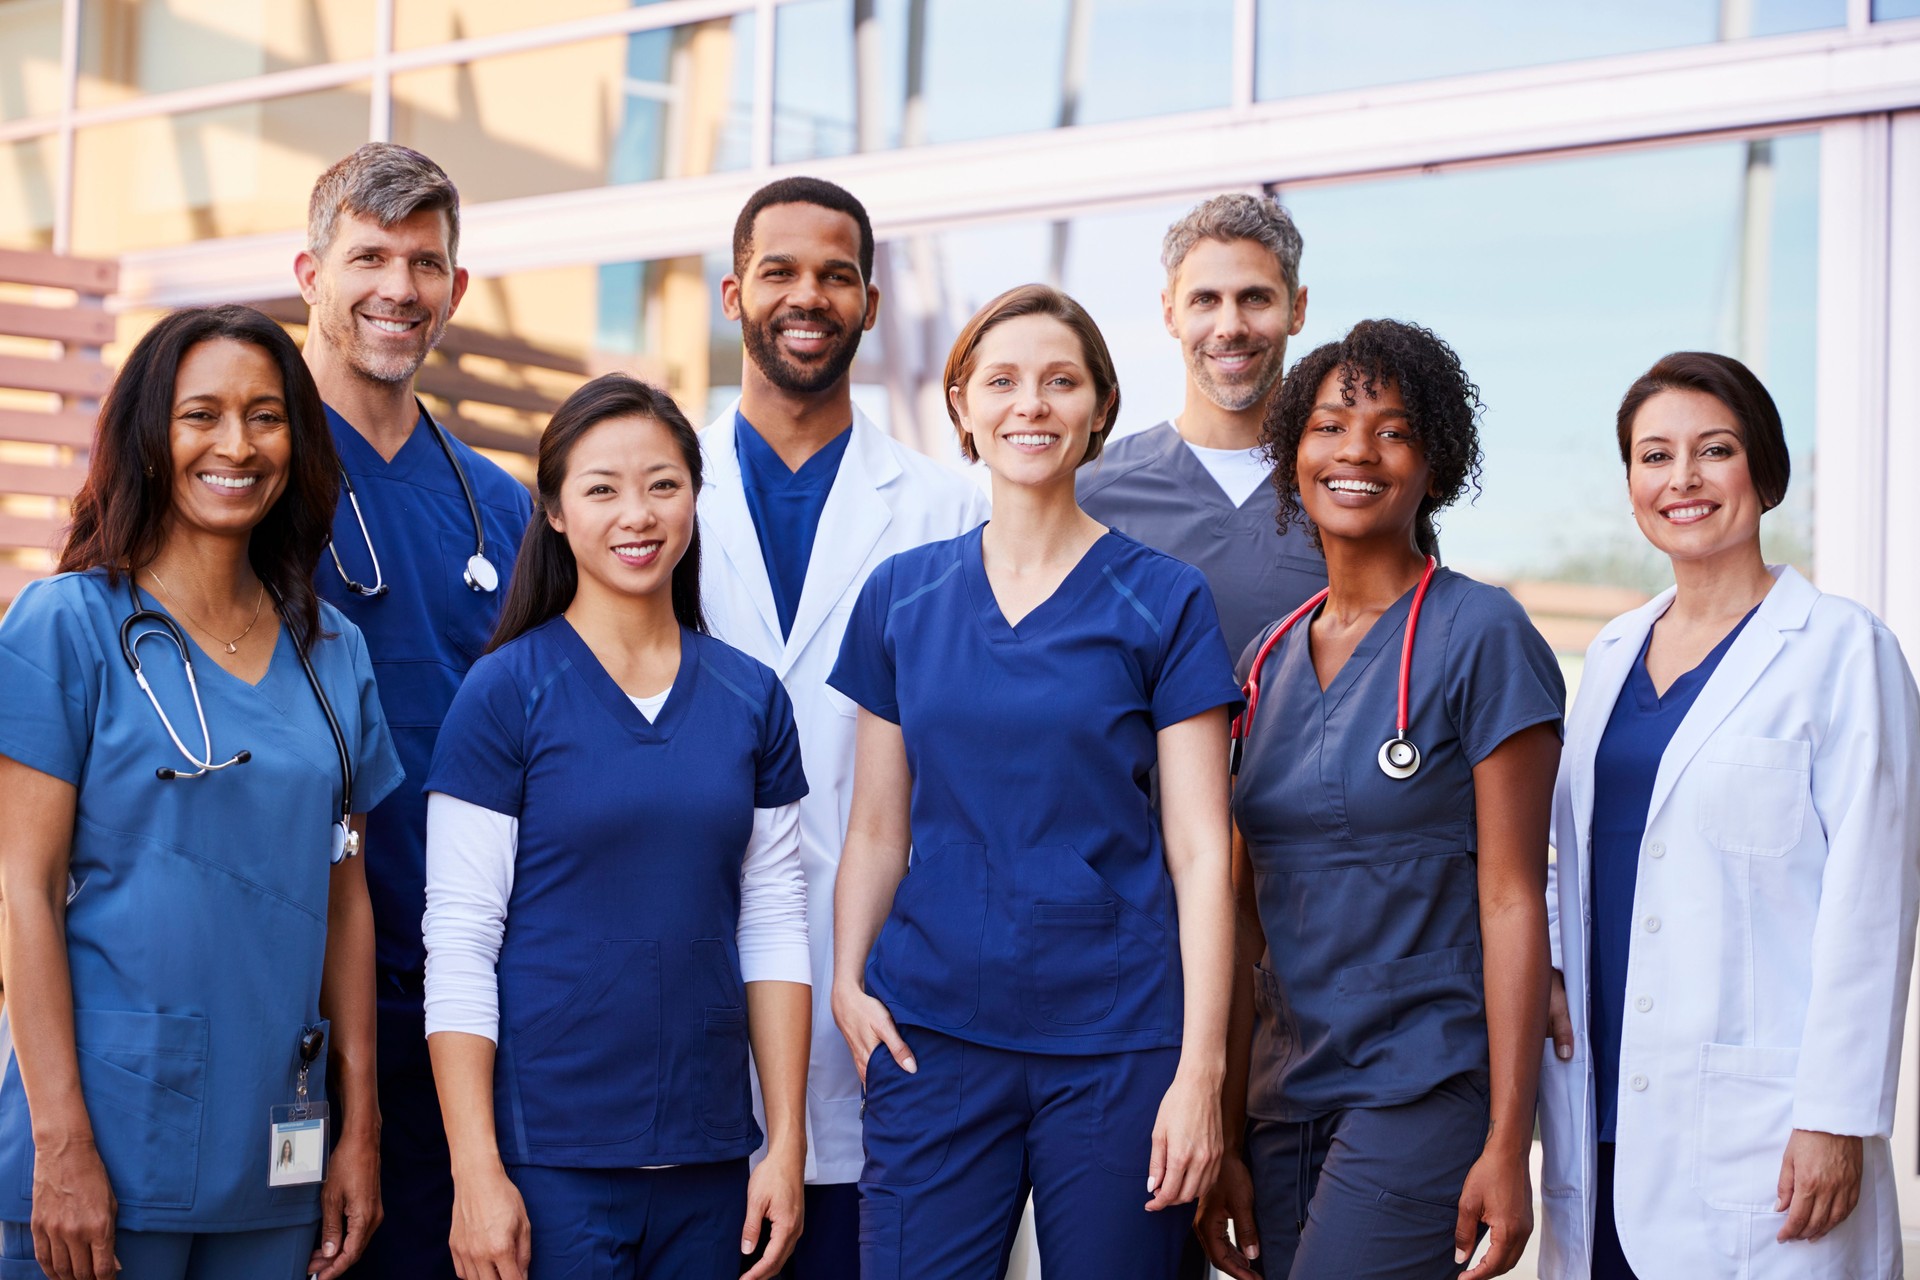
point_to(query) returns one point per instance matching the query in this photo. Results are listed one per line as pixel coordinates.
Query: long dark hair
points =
(120, 515)
(545, 576)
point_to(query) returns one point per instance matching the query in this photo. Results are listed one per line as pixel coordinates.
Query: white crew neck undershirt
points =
(650, 707)
(1238, 472)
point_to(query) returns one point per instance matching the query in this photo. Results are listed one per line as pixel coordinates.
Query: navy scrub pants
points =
(679, 1223)
(953, 1149)
(276, 1253)
(1370, 1193)
(416, 1171)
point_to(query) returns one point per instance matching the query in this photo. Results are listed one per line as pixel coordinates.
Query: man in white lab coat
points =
(803, 497)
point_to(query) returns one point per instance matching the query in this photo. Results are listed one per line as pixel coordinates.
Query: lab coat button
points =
(1643, 1004)
(1657, 850)
(1639, 1084)
(1653, 924)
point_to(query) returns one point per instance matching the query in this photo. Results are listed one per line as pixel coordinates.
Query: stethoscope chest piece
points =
(1399, 758)
(480, 574)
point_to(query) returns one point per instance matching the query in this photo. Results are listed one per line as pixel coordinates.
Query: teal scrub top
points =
(197, 928)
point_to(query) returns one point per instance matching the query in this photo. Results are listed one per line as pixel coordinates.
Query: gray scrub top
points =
(1371, 991)
(1150, 487)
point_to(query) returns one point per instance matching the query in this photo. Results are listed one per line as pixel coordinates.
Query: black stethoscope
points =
(1398, 758)
(480, 573)
(346, 841)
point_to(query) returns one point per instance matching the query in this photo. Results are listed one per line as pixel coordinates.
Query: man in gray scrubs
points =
(1196, 487)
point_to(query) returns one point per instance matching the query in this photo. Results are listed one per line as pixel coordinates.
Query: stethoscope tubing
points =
(1390, 763)
(480, 575)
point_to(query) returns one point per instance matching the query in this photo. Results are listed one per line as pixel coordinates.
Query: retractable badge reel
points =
(297, 1152)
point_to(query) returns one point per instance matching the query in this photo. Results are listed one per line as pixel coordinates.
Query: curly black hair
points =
(1443, 410)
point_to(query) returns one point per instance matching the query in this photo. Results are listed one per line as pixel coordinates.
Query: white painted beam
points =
(1746, 85)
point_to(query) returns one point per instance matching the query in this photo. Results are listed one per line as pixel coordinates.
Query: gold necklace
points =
(233, 645)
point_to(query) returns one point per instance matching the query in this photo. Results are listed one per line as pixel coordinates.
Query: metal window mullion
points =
(380, 99)
(69, 100)
(1246, 31)
(766, 24)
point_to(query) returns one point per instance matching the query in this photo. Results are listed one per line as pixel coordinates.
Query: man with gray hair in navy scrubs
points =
(1196, 487)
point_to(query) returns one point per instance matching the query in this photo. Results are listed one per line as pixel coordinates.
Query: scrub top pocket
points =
(607, 1027)
(1394, 1009)
(929, 950)
(726, 1105)
(468, 614)
(143, 1076)
(1075, 961)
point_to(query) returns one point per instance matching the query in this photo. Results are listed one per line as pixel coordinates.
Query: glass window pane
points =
(134, 47)
(950, 71)
(29, 172)
(1887, 10)
(655, 104)
(230, 171)
(425, 22)
(1315, 46)
(30, 71)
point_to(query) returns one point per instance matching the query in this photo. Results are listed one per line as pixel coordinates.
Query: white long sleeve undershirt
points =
(470, 866)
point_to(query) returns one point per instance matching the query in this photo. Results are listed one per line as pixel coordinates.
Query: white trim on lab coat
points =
(885, 499)
(1773, 933)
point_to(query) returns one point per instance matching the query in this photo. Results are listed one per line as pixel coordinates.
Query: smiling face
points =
(381, 296)
(801, 303)
(230, 438)
(1230, 307)
(1362, 473)
(626, 506)
(1693, 494)
(1030, 406)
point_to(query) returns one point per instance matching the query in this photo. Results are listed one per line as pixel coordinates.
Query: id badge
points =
(297, 1152)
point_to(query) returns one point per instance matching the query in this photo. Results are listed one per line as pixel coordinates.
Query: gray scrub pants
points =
(1369, 1193)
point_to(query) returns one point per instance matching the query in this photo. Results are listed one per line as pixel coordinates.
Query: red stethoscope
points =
(1399, 758)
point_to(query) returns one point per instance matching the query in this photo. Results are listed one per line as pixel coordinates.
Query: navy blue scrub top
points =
(1371, 992)
(1624, 768)
(786, 506)
(1037, 913)
(1150, 487)
(623, 1025)
(198, 934)
(423, 634)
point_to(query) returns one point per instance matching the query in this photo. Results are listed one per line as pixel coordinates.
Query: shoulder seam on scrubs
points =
(535, 693)
(917, 592)
(725, 683)
(1126, 594)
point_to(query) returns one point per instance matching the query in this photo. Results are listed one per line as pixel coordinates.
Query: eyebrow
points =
(1710, 431)
(184, 401)
(609, 471)
(1331, 407)
(790, 260)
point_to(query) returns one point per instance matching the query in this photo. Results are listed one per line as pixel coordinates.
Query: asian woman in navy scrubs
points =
(173, 942)
(1039, 999)
(615, 906)
(1401, 998)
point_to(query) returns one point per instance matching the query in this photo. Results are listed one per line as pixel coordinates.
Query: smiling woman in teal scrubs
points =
(180, 918)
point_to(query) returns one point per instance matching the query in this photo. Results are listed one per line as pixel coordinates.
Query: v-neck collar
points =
(204, 661)
(986, 608)
(767, 470)
(361, 458)
(1385, 630)
(615, 699)
(1688, 683)
(1199, 482)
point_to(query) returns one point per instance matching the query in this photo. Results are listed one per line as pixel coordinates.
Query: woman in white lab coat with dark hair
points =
(1738, 825)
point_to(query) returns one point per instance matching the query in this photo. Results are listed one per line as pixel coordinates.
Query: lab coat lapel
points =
(1785, 609)
(723, 501)
(851, 525)
(1605, 675)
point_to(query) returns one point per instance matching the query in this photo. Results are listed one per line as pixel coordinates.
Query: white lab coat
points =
(887, 498)
(1773, 931)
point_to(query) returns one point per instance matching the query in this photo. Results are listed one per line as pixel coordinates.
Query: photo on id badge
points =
(298, 1151)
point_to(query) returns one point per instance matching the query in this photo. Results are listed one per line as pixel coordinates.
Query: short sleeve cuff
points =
(1174, 712)
(777, 796)
(886, 710)
(1489, 741)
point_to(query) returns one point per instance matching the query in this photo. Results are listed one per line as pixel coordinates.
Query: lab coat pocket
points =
(143, 1076)
(1562, 1122)
(1076, 961)
(1742, 1120)
(726, 1102)
(1752, 794)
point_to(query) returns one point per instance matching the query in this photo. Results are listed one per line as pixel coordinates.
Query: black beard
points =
(763, 348)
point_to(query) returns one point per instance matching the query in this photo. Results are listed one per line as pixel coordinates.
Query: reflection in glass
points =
(230, 171)
(134, 47)
(28, 172)
(1317, 46)
(30, 71)
(951, 70)
(668, 103)
(424, 22)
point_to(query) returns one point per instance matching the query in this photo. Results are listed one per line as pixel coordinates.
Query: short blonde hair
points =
(1035, 300)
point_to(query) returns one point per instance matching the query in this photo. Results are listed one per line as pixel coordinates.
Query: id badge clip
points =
(297, 1151)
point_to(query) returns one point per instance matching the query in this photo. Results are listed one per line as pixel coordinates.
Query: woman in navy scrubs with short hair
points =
(1392, 803)
(614, 898)
(1040, 999)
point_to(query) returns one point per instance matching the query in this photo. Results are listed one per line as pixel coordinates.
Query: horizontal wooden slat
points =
(452, 384)
(482, 436)
(44, 482)
(477, 342)
(75, 430)
(13, 579)
(88, 326)
(38, 532)
(69, 377)
(95, 277)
